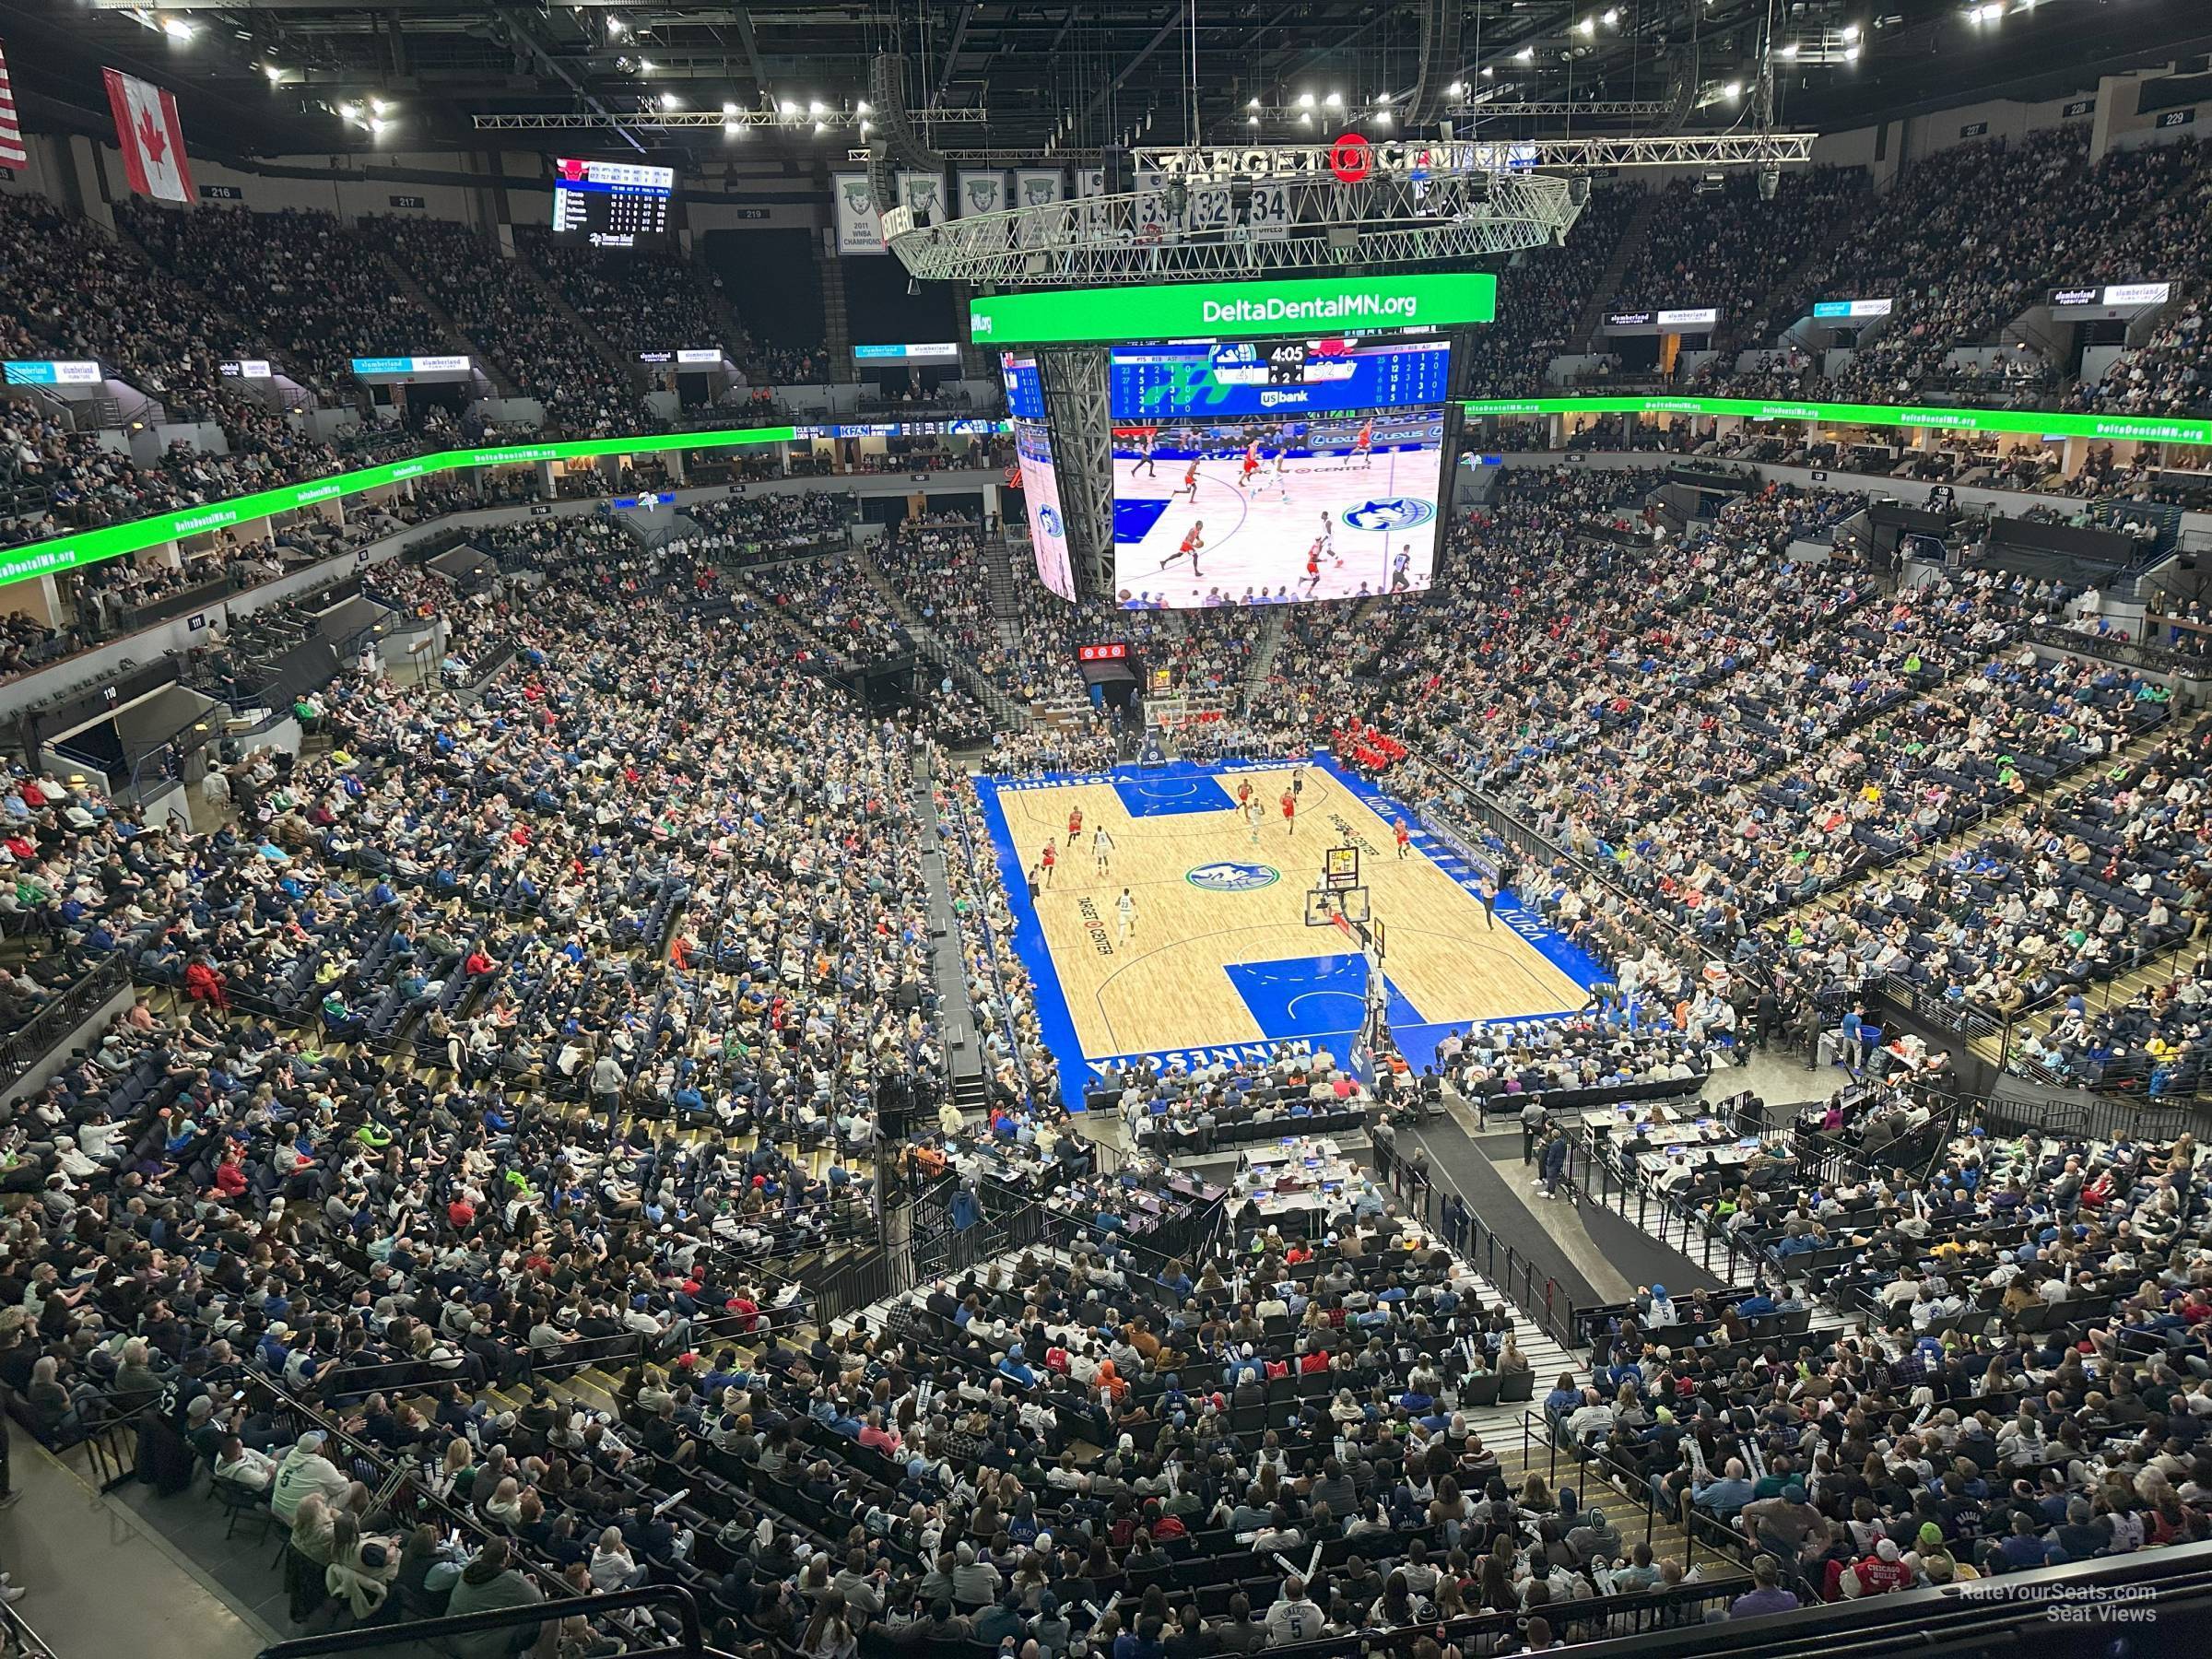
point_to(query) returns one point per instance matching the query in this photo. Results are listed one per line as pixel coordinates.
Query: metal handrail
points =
(365, 1638)
(23, 1049)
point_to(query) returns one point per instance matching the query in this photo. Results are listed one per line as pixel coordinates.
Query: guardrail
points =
(1521, 1279)
(22, 1051)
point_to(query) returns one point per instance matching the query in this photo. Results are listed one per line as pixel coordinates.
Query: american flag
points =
(12, 153)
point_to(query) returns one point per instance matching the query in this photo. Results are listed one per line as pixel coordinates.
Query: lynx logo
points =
(1232, 878)
(1391, 512)
(1048, 521)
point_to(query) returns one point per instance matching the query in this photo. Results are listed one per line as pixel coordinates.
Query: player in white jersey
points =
(1102, 850)
(1125, 916)
(1326, 546)
(1146, 460)
(1280, 476)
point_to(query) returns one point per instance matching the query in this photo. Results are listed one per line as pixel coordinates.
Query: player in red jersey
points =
(1289, 812)
(1075, 825)
(1405, 836)
(1190, 481)
(1363, 445)
(1252, 464)
(1313, 570)
(1050, 858)
(1192, 543)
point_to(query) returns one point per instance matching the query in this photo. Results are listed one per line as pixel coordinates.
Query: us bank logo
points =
(1391, 512)
(1226, 877)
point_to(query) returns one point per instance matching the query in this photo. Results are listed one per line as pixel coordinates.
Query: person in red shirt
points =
(1313, 1362)
(1075, 825)
(1050, 858)
(1403, 835)
(1289, 812)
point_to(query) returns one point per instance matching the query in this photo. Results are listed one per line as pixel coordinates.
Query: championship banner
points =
(923, 194)
(1035, 187)
(983, 192)
(859, 229)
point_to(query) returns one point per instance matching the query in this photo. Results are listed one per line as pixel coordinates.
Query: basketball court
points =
(1233, 940)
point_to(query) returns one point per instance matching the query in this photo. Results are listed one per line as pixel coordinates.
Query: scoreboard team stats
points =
(1232, 379)
(611, 203)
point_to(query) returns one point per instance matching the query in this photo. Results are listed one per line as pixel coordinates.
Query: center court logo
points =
(1226, 877)
(1048, 521)
(1391, 512)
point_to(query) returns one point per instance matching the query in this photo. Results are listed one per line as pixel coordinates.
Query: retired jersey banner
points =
(151, 139)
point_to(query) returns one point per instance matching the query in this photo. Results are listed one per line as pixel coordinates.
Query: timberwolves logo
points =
(1232, 878)
(1048, 521)
(1391, 512)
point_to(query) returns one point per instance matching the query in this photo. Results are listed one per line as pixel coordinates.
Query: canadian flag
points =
(152, 140)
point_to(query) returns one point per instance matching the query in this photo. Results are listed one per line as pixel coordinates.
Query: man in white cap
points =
(304, 1469)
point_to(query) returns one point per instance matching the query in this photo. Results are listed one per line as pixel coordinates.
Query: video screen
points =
(1040, 491)
(1025, 389)
(1209, 379)
(611, 203)
(1219, 512)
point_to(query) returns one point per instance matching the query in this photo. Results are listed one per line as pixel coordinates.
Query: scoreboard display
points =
(1235, 378)
(611, 203)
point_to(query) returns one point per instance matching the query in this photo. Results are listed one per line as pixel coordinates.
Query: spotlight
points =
(1732, 89)
(1851, 32)
(1489, 73)
(615, 26)
(1789, 53)
(729, 108)
(1253, 104)
(1305, 100)
(1527, 55)
(274, 73)
(1612, 16)
(378, 126)
(1851, 54)
(730, 129)
(176, 28)
(377, 106)
(862, 108)
(1251, 121)
(646, 65)
(1587, 27)
(1334, 100)
(669, 100)
(814, 106)
(787, 108)
(1306, 119)
(820, 127)
(1456, 89)
(351, 112)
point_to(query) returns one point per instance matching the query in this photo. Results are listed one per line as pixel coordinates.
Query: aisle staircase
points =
(1263, 650)
(1624, 251)
(503, 383)
(998, 578)
(1003, 710)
